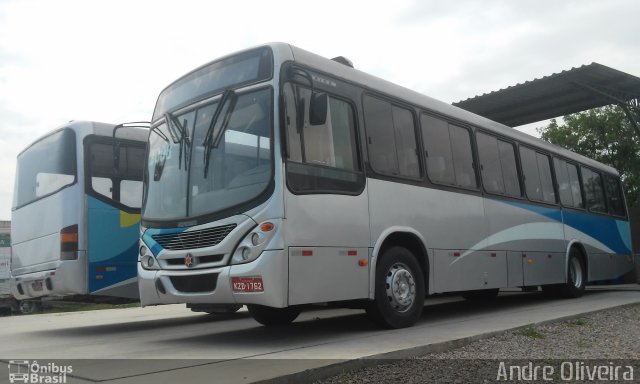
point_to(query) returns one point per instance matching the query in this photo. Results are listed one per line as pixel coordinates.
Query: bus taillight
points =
(69, 243)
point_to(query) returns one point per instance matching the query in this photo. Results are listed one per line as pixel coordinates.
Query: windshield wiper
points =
(159, 165)
(213, 136)
(183, 140)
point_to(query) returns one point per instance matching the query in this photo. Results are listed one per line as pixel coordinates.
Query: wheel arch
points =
(576, 244)
(405, 237)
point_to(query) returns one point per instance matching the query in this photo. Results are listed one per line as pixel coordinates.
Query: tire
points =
(576, 277)
(28, 307)
(273, 316)
(481, 295)
(399, 290)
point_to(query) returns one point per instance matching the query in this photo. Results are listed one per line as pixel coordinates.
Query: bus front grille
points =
(194, 239)
(195, 283)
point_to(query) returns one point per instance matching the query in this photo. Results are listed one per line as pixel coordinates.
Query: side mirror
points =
(318, 108)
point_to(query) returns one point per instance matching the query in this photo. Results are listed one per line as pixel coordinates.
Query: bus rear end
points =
(46, 244)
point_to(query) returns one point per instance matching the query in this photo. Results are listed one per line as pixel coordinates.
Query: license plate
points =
(36, 285)
(247, 284)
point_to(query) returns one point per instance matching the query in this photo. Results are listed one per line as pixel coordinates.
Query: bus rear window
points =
(45, 167)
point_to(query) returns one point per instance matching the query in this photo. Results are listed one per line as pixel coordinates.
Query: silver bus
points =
(277, 178)
(75, 217)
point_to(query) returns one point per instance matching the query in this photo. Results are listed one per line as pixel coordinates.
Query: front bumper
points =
(173, 286)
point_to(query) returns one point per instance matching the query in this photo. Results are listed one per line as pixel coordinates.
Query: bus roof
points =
(84, 128)
(427, 103)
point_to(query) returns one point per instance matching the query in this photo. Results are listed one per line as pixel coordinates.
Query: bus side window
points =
(568, 183)
(437, 144)
(448, 151)
(614, 196)
(536, 169)
(593, 190)
(392, 138)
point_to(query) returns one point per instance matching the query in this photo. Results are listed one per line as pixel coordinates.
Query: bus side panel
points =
(320, 231)
(112, 250)
(447, 221)
(533, 235)
(606, 240)
(35, 230)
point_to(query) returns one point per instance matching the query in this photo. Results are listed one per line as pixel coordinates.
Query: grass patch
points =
(576, 322)
(532, 333)
(583, 344)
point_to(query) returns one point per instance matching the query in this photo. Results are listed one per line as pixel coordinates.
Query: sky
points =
(107, 60)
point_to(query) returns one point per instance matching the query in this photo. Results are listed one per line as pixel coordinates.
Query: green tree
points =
(604, 134)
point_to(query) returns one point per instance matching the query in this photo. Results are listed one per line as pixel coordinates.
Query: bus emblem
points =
(188, 260)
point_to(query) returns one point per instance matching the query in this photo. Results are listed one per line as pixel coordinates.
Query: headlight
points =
(146, 258)
(254, 243)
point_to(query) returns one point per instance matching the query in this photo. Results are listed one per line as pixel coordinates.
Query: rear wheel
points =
(273, 316)
(576, 279)
(576, 276)
(399, 290)
(28, 307)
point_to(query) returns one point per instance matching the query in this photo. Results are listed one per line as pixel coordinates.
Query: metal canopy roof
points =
(578, 89)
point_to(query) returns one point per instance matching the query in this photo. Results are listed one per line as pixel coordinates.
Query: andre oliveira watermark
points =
(30, 372)
(565, 371)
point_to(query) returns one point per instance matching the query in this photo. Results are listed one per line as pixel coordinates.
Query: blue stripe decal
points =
(613, 233)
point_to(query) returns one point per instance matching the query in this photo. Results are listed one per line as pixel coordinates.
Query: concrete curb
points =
(321, 373)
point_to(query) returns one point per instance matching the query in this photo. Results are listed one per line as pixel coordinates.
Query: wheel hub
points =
(401, 287)
(575, 272)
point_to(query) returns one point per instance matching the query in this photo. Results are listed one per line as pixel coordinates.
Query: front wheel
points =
(399, 290)
(273, 316)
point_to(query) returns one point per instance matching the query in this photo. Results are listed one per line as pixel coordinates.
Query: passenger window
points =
(321, 137)
(509, 168)
(462, 157)
(576, 188)
(546, 180)
(593, 190)
(123, 185)
(568, 183)
(614, 196)
(536, 170)
(437, 144)
(392, 138)
(449, 154)
(490, 167)
(498, 165)
(103, 186)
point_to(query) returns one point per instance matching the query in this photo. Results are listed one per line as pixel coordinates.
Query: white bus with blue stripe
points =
(279, 179)
(76, 212)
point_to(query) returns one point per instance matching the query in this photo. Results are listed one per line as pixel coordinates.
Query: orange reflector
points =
(530, 261)
(352, 252)
(266, 227)
(307, 252)
(363, 262)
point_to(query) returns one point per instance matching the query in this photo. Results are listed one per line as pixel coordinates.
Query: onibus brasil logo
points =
(30, 372)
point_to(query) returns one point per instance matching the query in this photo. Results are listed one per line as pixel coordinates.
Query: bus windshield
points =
(188, 175)
(45, 167)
